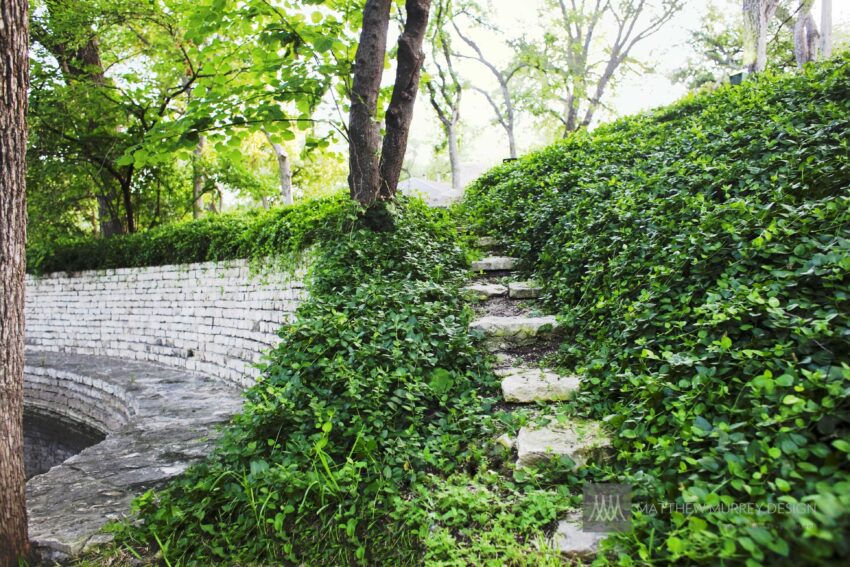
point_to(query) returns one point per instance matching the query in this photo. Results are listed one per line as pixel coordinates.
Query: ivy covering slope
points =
(376, 393)
(699, 257)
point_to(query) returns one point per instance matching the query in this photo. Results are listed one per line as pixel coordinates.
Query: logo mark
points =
(607, 508)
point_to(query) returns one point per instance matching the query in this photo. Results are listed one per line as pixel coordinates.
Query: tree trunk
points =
(374, 169)
(826, 28)
(283, 170)
(363, 131)
(756, 15)
(454, 157)
(400, 110)
(802, 31)
(197, 179)
(509, 117)
(14, 66)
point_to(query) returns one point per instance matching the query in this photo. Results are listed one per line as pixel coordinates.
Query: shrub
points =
(699, 257)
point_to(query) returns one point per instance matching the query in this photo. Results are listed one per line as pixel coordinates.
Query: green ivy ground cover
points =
(375, 396)
(279, 232)
(699, 257)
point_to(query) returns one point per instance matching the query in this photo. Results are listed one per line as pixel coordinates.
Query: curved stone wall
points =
(215, 319)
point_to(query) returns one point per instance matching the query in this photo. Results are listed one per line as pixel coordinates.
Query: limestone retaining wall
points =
(212, 318)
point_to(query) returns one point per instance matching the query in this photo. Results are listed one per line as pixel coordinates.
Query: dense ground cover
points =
(699, 257)
(376, 395)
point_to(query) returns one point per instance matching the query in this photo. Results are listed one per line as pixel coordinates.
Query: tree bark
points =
(14, 65)
(757, 13)
(805, 34)
(284, 172)
(454, 157)
(826, 29)
(197, 180)
(375, 168)
(363, 131)
(400, 110)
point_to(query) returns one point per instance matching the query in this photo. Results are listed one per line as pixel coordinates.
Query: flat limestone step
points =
(525, 385)
(495, 264)
(581, 440)
(513, 331)
(485, 291)
(487, 243)
(571, 540)
(524, 290)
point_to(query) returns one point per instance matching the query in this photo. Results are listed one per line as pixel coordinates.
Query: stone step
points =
(524, 290)
(571, 540)
(487, 243)
(525, 385)
(514, 331)
(582, 441)
(485, 291)
(495, 264)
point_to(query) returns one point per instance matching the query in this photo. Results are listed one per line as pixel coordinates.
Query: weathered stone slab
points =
(487, 243)
(505, 332)
(527, 385)
(169, 422)
(495, 264)
(570, 540)
(582, 441)
(485, 291)
(524, 290)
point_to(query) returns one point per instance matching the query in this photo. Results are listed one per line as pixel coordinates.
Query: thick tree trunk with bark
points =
(400, 110)
(363, 130)
(375, 168)
(14, 42)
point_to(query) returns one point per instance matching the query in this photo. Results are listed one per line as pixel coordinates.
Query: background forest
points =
(153, 112)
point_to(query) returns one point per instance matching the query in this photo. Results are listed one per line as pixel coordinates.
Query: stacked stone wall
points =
(216, 319)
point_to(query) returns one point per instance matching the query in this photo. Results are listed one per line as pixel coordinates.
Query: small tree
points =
(14, 77)
(503, 103)
(577, 62)
(444, 86)
(375, 165)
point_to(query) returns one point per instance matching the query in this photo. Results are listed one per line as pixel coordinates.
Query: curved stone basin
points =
(51, 438)
(156, 420)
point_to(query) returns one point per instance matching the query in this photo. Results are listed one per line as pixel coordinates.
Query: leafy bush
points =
(700, 260)
(277, 232)
(375, 385)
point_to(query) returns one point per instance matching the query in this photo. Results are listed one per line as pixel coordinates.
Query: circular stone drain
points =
(157, 421)
(51, 438)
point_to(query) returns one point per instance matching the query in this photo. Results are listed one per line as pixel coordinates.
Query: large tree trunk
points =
(375, 169)
(14, 41)
(284, 171)
(363, 131)
(400, 110)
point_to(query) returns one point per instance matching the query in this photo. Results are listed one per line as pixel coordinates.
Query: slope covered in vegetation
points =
(699, 257)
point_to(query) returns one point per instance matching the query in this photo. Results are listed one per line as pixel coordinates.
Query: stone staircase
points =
(519, 336)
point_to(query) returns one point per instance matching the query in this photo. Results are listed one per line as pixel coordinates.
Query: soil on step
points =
(504, 307)
(531, 355)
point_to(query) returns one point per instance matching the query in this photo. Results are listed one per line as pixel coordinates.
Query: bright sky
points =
(485, 143)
